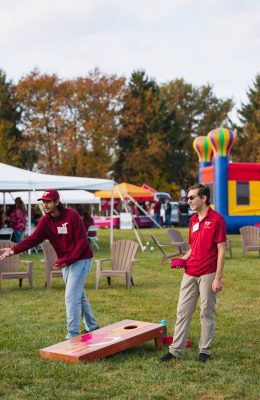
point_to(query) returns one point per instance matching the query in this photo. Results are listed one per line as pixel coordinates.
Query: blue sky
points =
(202, 41)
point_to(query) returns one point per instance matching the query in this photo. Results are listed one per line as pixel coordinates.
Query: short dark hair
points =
(203, 190)
(60, 207)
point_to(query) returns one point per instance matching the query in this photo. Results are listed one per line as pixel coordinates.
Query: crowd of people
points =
(161, 212)
(16, 218)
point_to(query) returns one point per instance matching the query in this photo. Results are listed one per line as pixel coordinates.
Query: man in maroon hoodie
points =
(65, 230)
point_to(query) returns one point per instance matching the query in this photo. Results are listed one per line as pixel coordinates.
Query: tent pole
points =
(143, 210)
(29, 214)
(111, 214)
(136, 232)
(29, 217)
(4, 202)
(139, 230)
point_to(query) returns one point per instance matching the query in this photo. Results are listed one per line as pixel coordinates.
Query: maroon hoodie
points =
(66, 233)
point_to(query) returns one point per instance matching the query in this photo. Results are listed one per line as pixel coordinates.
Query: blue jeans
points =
(17, 236)
(76, 301)
(157, 219)
(184, 220)
(168, 222)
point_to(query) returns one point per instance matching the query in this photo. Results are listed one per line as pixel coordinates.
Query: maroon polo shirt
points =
(203, 238)
(66, 233)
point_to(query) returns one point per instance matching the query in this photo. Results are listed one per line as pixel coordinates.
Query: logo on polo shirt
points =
(63, 229)
(207, 224)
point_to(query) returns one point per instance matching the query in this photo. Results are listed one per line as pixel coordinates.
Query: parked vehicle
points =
(175, 214)
(162, 196)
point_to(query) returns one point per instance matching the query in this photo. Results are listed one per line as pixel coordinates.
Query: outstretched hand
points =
(7, 252)
(59, 266)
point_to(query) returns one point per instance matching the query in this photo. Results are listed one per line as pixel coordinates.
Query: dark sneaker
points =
(203, 357)
(168, 357)
(97, 327)
(86, 331)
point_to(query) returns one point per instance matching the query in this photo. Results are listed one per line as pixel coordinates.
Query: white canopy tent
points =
(17, 179)
(66, 196)
(14, 179)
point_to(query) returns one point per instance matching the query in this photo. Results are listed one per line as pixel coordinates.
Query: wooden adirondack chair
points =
(10, 267)
(50, 257)
(163, 247)
(178, 241)
(121, 261)
(93, 239)
(229, 247)
(250, 236)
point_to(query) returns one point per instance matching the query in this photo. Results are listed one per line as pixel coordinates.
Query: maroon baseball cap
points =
(50, 194)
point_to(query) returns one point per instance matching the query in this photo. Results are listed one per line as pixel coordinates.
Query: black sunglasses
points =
(192, 197)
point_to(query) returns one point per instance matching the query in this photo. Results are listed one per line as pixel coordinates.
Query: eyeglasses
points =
(192, 197)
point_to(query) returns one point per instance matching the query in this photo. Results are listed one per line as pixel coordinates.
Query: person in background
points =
(105, 206)
(18, 219)
(147, 207)
(152, 210)
(203, 264)
(168, 211)
(88, 221)
(134, 209)
(157, 212)
(65, 230)
(35, 214)
(4, 220)
(183, 210)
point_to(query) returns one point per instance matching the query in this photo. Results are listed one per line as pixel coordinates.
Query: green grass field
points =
(34, 319)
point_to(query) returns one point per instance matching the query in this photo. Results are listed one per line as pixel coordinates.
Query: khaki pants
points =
(191, 289)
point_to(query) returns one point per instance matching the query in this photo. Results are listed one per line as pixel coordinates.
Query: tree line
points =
(136, 130)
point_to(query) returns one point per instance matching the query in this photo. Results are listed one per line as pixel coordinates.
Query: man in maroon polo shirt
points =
(65, 230)
(204, 264)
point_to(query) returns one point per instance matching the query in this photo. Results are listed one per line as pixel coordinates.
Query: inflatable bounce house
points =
(235, 187)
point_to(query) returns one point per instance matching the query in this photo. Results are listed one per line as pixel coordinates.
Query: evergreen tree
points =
(158, 126)
(188, 112)
(247, 147)
(139, 148)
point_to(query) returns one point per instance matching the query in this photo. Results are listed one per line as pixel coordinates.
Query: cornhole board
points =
(105, 341)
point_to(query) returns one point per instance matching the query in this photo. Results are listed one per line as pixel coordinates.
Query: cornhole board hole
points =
(105, 341)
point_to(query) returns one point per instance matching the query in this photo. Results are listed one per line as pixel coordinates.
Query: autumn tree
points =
(95, 104)
(71, 124)
(139, 155)
(41, 100)
(10, 135)
(247, 146)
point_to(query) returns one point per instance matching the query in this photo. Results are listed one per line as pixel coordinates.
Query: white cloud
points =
(214, 41)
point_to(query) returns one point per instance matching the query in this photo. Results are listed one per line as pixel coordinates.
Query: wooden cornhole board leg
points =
(105, 341)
